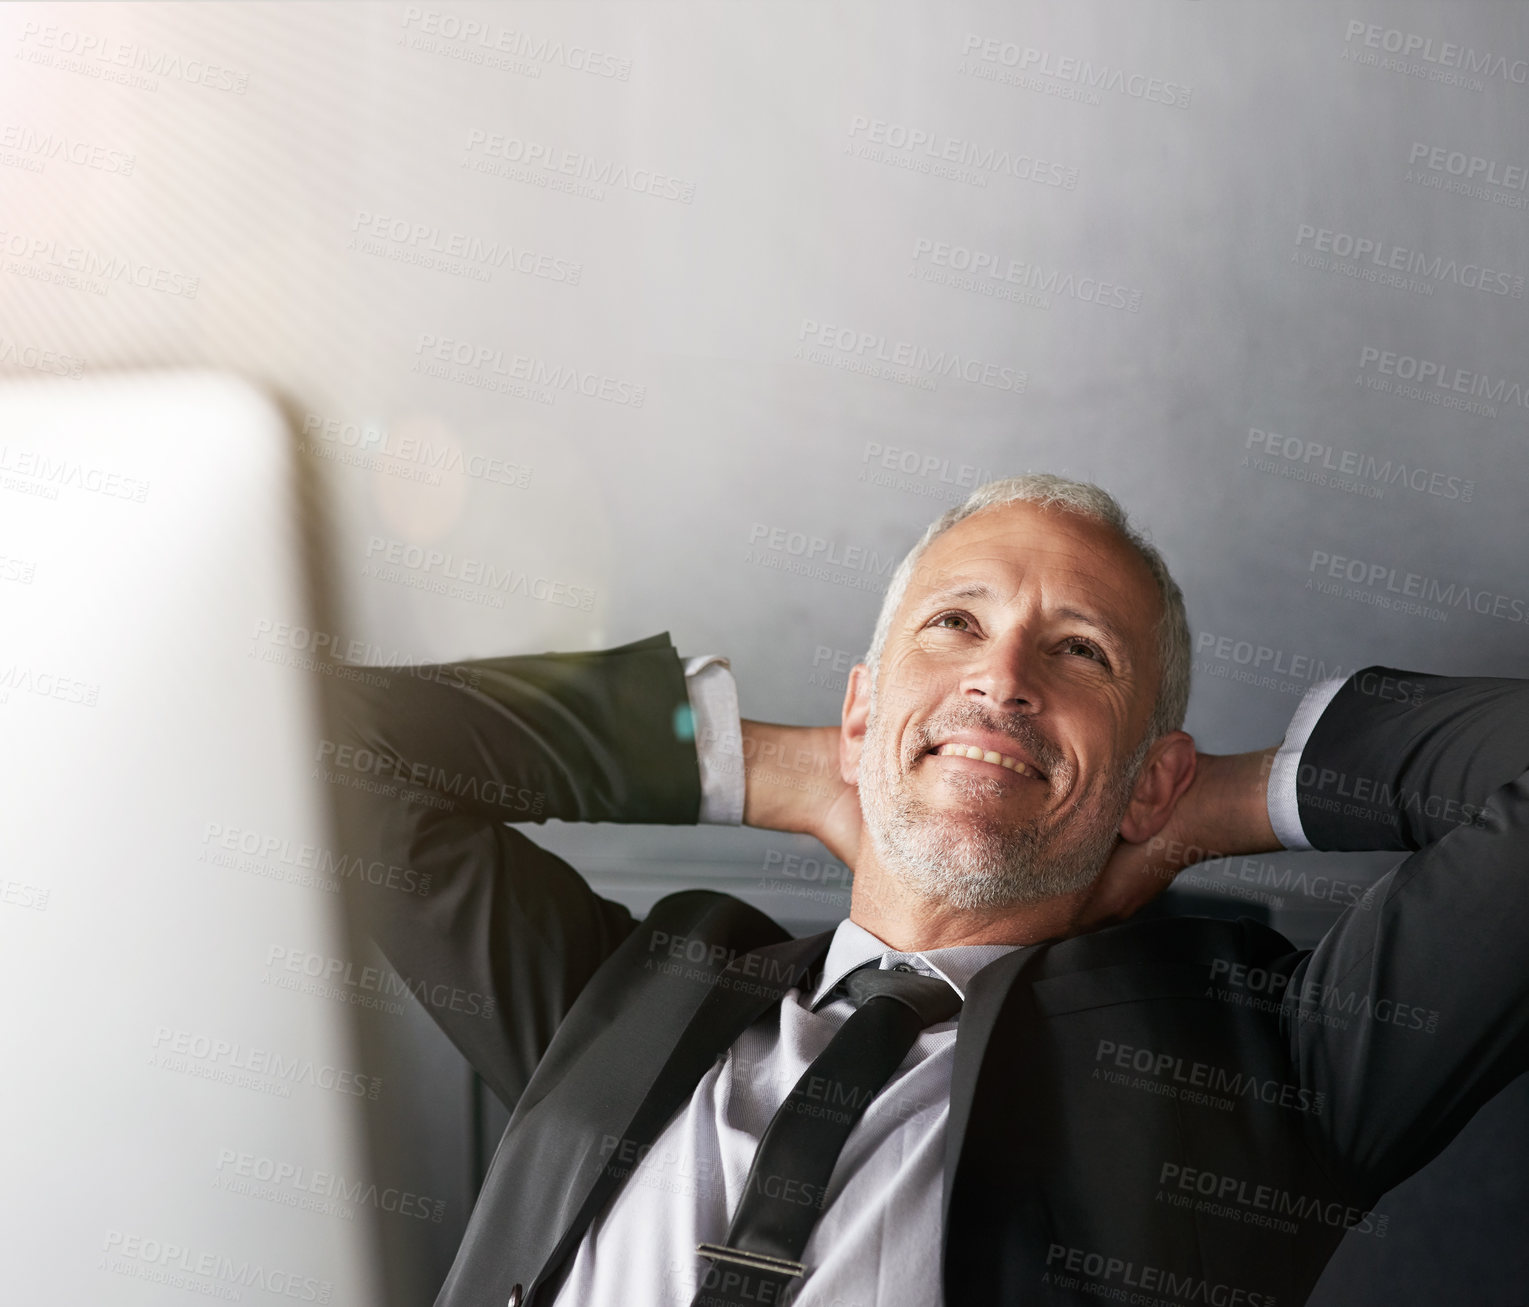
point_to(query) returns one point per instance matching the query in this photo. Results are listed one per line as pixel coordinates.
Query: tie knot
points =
(933, 999)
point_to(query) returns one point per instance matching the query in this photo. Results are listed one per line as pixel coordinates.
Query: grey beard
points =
(970, 861)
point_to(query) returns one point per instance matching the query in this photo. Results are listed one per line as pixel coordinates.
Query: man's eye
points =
(1093, 650)
(959, 617)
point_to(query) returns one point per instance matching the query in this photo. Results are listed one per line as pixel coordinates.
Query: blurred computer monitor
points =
(186, 1102)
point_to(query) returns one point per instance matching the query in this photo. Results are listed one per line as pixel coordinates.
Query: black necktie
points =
(788, 1181)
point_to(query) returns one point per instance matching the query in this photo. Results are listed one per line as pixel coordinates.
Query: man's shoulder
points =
(701, 920)
(1191, 941)
(1166, 958)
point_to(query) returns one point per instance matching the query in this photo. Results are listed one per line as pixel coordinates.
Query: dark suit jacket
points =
(1186, 1109)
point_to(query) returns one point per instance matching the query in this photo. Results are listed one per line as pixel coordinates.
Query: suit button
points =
(516, 1294)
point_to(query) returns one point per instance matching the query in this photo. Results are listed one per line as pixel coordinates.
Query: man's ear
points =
(1167, 771)
(857, 705)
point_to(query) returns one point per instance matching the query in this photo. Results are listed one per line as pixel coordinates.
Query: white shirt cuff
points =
(718, 738)
(1284, 811)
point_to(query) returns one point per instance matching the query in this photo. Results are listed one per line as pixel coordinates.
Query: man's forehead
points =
(1096, 575)
(980, 546)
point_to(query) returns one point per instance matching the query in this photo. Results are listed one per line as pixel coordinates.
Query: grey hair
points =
(1095, 504)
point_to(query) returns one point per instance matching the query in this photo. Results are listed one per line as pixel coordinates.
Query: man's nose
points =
(1007, 674)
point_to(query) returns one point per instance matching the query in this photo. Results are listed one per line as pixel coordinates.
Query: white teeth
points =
(985, 755)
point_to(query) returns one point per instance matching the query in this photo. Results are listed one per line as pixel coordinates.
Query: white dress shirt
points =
(877, 1243)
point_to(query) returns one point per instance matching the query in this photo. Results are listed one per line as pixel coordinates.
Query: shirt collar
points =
(853, 946)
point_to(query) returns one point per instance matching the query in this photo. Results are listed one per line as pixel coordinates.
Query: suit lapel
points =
(991, 1003)
(641, 1097)
(1054, 975)
(1000, 1010)
(995, 1072)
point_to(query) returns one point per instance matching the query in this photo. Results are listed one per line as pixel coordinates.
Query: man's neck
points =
(888, 908)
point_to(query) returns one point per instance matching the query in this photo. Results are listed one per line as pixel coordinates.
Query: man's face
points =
(1027, 633)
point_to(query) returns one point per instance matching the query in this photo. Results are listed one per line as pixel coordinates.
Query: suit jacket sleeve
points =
(1413, 1010)
(428, 764)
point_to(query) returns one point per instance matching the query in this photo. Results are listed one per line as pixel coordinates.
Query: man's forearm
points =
(785, 769)
(1228, 805)
(793, 783)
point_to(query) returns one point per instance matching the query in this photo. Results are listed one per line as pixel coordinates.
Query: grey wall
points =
(685, 316)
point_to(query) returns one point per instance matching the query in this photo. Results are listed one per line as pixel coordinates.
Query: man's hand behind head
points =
(1222, 813)
(793, 782)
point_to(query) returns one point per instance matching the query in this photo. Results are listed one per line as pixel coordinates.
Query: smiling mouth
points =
(972, 752)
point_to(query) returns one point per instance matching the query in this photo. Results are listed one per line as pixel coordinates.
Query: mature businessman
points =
(1081, 1107)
